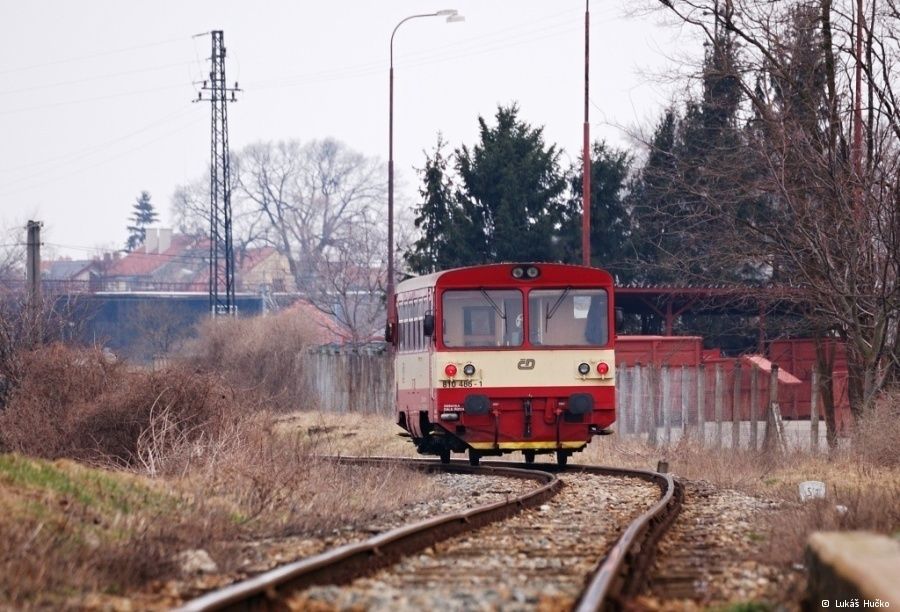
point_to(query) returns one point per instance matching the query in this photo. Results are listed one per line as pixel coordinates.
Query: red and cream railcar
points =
(506, 357)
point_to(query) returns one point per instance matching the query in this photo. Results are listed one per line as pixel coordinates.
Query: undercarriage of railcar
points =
(483, 426)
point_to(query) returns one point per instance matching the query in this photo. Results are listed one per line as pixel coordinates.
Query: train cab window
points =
(568, 317)
(482, 318)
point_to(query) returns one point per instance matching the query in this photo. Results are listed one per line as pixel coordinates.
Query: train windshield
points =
(482, 317)
(568, 317)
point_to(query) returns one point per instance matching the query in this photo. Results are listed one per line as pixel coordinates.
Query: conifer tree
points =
(610, 217)
(511, 192)
(439, 219)
(143, 214)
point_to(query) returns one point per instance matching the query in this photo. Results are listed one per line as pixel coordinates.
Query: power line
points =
(520, 31)
(70, 60)
(102, 162)
(89, 79)
(123, 94)
(91, 150)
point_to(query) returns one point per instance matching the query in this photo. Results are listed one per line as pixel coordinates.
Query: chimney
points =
(151, 240)
(165, 239)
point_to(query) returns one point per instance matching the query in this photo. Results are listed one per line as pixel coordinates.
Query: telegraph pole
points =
(33, 262)
(221, 249)
(586, 154)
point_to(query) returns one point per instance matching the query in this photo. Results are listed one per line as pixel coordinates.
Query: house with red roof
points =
(166, 261)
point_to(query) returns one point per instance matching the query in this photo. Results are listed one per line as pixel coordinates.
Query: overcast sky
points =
(95, 96)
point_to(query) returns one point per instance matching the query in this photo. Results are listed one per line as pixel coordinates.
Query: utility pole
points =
(33, 263)
(221, 249)
(586, 154)
(33, 276)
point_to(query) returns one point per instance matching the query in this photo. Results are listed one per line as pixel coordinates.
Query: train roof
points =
(502, 273)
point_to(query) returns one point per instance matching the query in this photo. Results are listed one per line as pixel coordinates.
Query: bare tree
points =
(12, 254)
(190, 210)
(321, 205)
(822, 166)
(351, 281)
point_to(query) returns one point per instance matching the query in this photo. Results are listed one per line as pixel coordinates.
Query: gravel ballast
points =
(537, 559)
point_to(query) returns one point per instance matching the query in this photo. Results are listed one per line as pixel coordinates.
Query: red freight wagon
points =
(799, 356)
(505, 357)
(659, 350)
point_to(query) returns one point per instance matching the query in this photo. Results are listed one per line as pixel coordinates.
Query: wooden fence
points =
(715, 406)
(350, 381)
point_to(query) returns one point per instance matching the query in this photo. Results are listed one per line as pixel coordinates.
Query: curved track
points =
(618, 575)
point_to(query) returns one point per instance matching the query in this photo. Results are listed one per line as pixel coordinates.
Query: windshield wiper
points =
(494, 305)
(552, 310)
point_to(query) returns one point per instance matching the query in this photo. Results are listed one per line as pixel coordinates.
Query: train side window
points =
(401, 327)
(420, 322)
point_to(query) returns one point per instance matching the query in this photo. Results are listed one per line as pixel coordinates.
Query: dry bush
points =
(874, 439)
(36, 419)
(261, 355)
(73, 403)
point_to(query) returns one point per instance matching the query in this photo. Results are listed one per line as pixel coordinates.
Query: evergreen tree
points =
(511, 188)
(697, 159)
(650, 195)
(143, 215)
(610, 217)
(439, 219)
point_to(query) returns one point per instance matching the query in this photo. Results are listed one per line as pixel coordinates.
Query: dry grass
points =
(874, 441)
(348, 434)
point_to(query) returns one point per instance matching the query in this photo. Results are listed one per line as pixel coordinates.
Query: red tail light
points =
(450, 370)
(602, 368)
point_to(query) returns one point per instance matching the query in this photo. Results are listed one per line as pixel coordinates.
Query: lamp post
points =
(452, 16)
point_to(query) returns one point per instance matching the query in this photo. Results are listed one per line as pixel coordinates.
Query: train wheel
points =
(445, 455)
(529, 456)
(474, 457)
(562, 458)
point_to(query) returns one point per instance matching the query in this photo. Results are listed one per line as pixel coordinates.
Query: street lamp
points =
(452, 16)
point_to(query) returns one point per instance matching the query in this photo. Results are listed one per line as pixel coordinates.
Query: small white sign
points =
(812, 489)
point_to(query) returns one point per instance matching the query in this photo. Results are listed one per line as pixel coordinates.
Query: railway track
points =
(540, 548)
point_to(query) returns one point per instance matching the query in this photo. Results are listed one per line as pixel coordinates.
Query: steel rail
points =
(623, 571)
(347, 562)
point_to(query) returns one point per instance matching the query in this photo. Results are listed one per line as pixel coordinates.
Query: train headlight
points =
(450, 370)
(518, 273)
(469, 369)
(584, 369)
(602, 368)
(532, 272)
